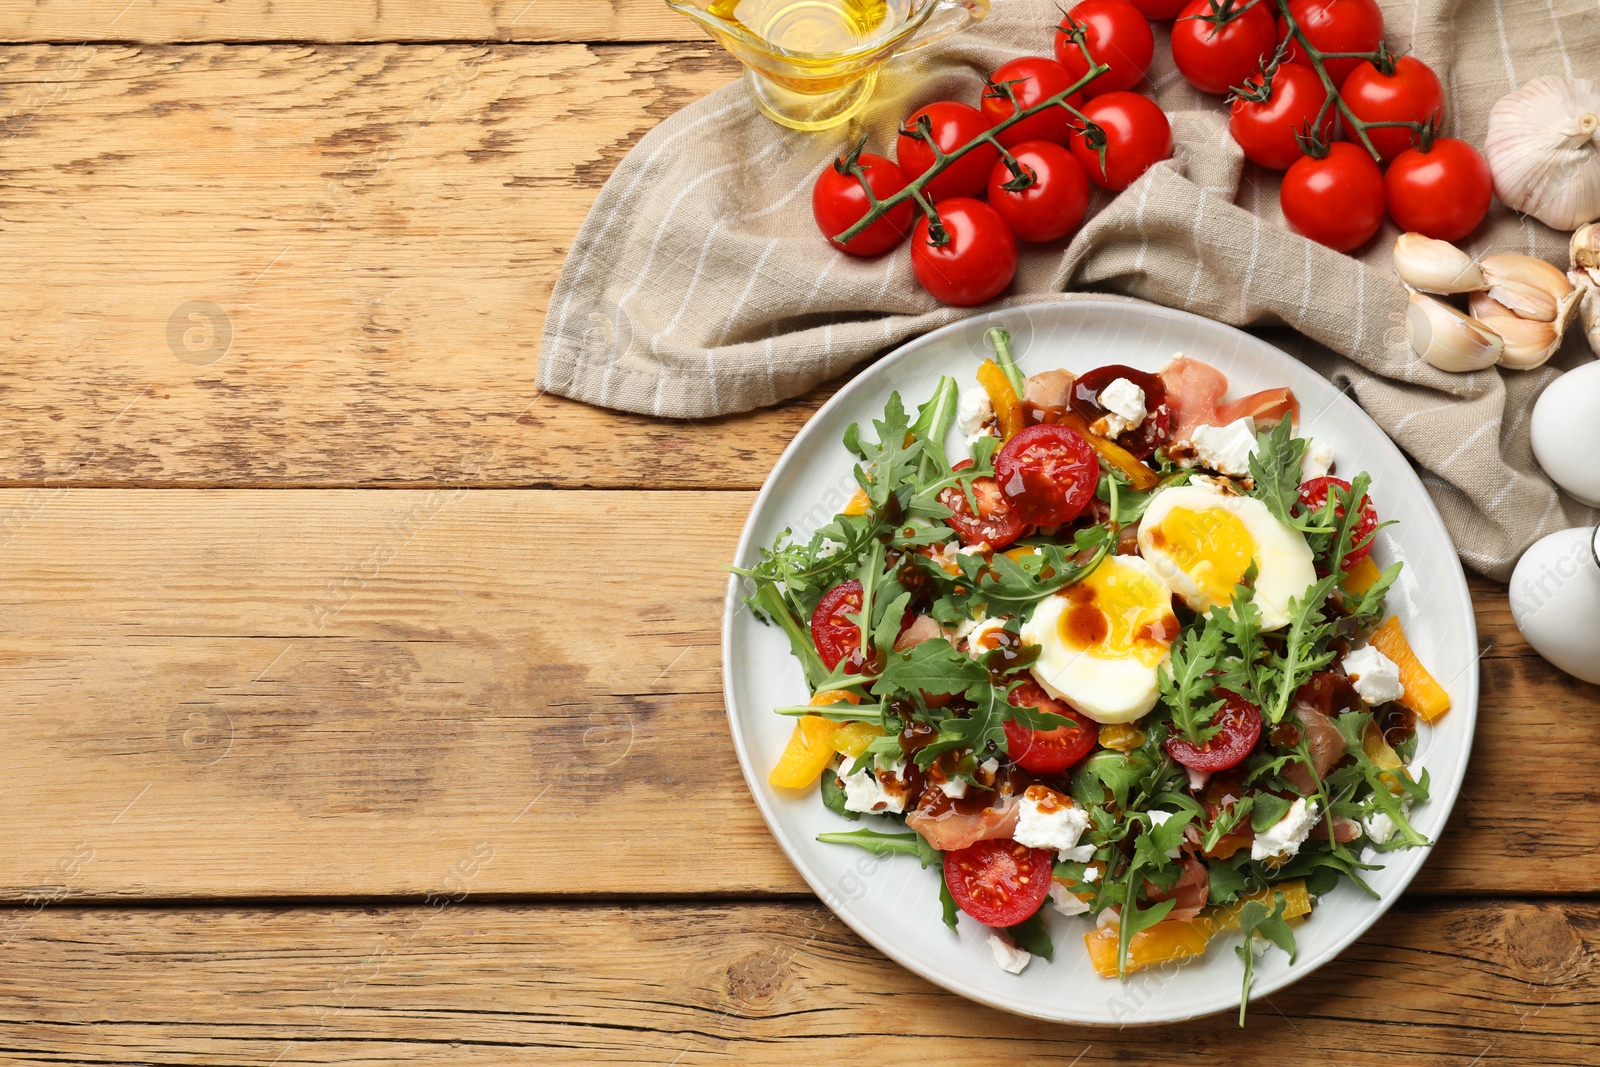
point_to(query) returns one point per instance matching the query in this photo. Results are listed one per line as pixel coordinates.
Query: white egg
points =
(1566, 433)
(1201, 541)
(1103, 639)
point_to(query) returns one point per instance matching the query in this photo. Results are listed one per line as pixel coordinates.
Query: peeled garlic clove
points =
(1435, 266)
(1588, 294)
(1448, 339)
(1530, 287)
(1543, 152)
(1528, 342)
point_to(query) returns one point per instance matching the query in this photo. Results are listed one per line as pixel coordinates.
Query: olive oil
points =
(821, 26)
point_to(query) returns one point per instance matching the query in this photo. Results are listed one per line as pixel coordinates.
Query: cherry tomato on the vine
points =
(1336, 26)
(1137, 136)
(1156, 10)
(976, 261)
(1216, 48)
(1266, 129)
(1035, 79)
(1053, 205)
(998, 881)
(838, 202)
(1441, 193)
(1116, 34)
(1314, 495)
(952, 125)
(1411, 94)
(1336, 200)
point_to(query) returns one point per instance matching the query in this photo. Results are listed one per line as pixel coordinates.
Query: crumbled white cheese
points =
(972, 550)
(1124, 404)
(1108, 920)
(828, 547)
(1156, 819)
(1065, 902)
(1226, 449)
(1091, 874)
(1197, 779)
(974, 409)
(1280, 841)
(1380, 827)
(863, 791)
(955, 788)
(1010, 958)
(1046, 819)
(945, 556)
(1081, 854)
(1317, 461)
(1375, 676)
(990, 766)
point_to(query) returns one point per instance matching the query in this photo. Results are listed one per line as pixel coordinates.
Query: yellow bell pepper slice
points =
(1122, 736)
(858, 504)
(1361, 577)
(852, 739)
(1382, 756)
(1140, 476)
(1180, 939)
(1007, 404)
(810, 747)
(1423, 694)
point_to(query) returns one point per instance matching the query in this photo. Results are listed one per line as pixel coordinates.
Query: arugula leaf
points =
(1227, 878)
(1130, 502)
(1227, 820)
(888, 461)
(1001, 340)
(934, 667)
(1010, 585)
(1186, 681)
(1151, 847)
(1242, 671)
(1365, 611)
(769, 602)
(1354, 726)
(1108, 771)
(1275, 468)
(1030, 934)
(1135, 919)
(1256, 918)
(889, 617)
(1269, 810)
(1304, 650)
(934, 419)
(948, 903)
(882, 844)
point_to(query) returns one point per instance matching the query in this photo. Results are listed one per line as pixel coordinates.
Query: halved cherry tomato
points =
(1156, 428)
(1048, 751)
(1138, 136)
(836, 636)
(1053, 205)
(1048, 473)
(997, 523)
(1411, 94)
(953, 125)
(1215, 55)
(1441, 193)
(1266, 129)
(1314, 494)
(1116, 34)
(999, 882)
(838, 202)
(1337, 200)
(1034, 79)
(1336, 26)
(976, 262)
(1240, 723)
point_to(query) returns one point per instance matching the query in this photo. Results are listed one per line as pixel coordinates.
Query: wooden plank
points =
(175, 21)
(1434, 982)
(280, 693)
(377, 231)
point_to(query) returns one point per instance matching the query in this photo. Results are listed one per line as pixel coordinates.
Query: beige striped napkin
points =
(698, 285)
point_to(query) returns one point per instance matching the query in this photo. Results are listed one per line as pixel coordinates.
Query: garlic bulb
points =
(1435, 266)
(1528, 342)
(1586, 251)
(1448, 339)
(1542, 150)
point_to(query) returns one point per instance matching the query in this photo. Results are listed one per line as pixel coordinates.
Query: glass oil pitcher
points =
(812, 64)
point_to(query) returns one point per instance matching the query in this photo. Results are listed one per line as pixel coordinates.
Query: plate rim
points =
(1302, 967)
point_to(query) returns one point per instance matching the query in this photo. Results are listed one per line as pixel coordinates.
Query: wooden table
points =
(317, 751)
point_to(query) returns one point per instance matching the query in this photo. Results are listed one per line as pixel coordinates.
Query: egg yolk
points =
(1213, 547)
(1118, 612)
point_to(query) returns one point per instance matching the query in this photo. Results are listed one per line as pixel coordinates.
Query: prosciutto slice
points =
(949, 830)
(1195, 391)
(1326, 744)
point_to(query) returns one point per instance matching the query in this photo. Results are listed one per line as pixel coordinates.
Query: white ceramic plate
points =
(893, 903)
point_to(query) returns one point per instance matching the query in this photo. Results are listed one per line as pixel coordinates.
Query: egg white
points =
(1284, 567)
(1108, 689)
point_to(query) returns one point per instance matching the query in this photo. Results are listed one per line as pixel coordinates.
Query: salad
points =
(1110, 645)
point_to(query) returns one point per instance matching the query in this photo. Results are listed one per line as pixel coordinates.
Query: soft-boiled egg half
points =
(1103, 639)
(1201, 541)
